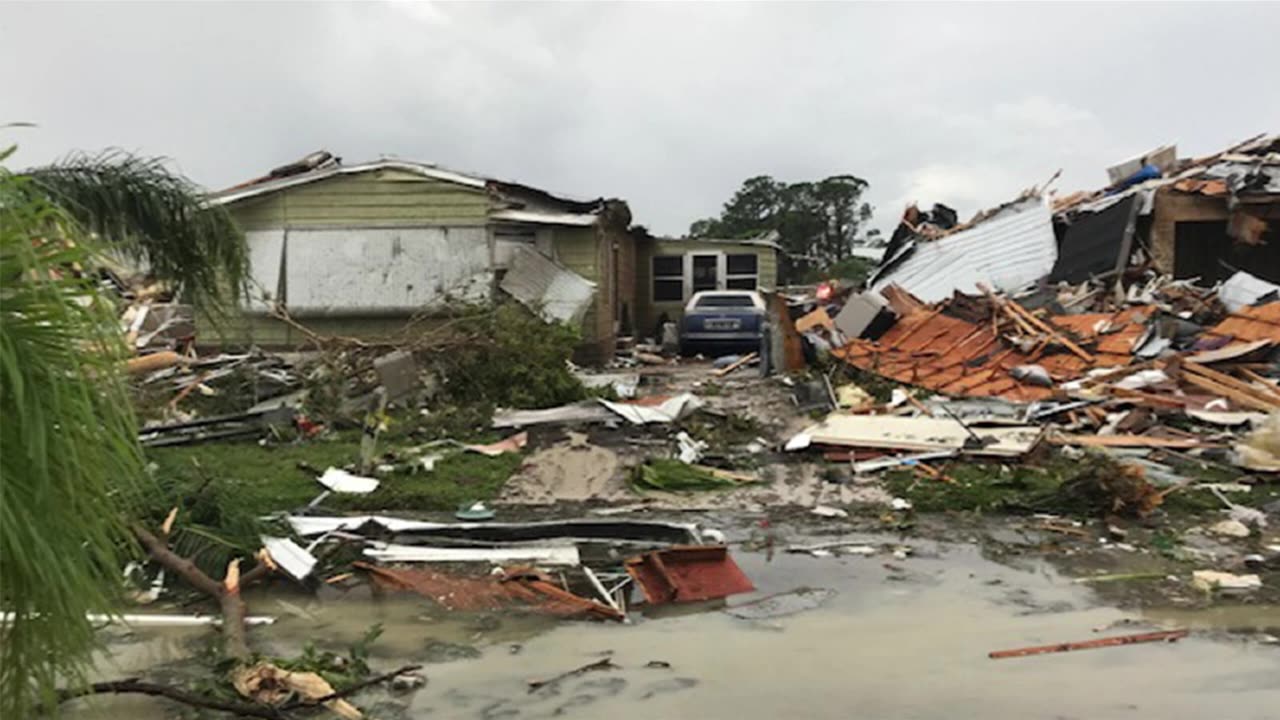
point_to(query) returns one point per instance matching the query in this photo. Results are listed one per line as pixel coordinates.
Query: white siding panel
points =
(265, 254)
(386, 269)
(1013, 249)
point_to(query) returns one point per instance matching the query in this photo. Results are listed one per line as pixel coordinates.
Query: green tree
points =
(70, 464)
(817, 222)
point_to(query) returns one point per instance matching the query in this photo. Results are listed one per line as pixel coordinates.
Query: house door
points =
(706, 272)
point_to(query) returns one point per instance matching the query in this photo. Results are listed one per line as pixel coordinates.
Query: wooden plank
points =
(1062, 339)
(1248, 374)
(1217, 388)
(817, 318)
(1161, 636)
(1227, 380)
(736, 364)
(1129, 441)
(1147, 399)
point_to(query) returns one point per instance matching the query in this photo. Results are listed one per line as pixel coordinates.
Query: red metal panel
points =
(688, 574)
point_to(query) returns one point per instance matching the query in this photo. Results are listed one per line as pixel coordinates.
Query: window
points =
(668, 278)
(726, 301)
(741, 272)
(706, 272)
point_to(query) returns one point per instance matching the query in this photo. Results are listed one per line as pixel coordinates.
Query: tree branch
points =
(135, 686)
(227, 594)
(353, 689)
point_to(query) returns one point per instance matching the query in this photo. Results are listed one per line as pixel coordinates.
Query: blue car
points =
(721, 322)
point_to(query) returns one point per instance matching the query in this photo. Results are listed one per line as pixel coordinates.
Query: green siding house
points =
(359, 250)
(670, 270)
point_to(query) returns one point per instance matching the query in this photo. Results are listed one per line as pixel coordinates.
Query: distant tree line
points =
(818, 223)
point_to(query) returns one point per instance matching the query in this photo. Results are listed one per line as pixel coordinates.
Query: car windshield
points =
(725, 301)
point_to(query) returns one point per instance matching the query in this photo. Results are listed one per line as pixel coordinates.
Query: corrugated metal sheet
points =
(554, 291)
(1013, 248)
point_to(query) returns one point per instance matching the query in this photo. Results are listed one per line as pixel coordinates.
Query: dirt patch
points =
(574, 470)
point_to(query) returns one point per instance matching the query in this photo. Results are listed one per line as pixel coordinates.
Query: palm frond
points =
(144, 210)
(69, 458)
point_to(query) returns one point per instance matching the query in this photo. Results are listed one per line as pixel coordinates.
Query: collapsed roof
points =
(1081, 236)
(522, 203)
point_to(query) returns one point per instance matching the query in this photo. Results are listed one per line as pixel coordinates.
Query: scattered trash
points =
(829, 512)
(474, 511)
(513, 444)
(689, 450)
(676, 476)
(269, 685)
(1230, 528)
(289, 556)
(341, 481)
(601, 664)
(1208, 580)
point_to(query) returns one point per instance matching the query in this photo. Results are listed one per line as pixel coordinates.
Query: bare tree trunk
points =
(227, 592)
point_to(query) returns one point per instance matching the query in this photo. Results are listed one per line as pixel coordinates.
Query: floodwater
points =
(895, 639)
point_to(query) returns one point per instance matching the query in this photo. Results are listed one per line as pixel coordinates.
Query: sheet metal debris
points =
(688, 574)
(552, 290)
(1012, 247)
(341, 481)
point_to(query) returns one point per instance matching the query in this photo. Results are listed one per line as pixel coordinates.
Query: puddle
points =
(904, 641)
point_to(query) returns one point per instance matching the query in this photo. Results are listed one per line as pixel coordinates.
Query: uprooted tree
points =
(817, 222)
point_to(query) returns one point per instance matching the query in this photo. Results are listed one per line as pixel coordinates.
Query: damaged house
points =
(1207, 219)
(358, 250)
(1213, 220)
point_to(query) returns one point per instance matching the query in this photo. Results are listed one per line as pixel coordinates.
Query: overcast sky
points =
(668, 106)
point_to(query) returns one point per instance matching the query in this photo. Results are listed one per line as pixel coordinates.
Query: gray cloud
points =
(670, 106)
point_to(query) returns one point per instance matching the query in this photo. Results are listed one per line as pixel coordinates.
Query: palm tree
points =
(70, 464)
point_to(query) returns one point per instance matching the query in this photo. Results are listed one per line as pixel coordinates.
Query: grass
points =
(981, 487)
(247, 477)
(223, 489)
(993, 487)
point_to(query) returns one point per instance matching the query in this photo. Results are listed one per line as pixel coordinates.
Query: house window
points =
(706, 272)
(668, 278)
(741, 272)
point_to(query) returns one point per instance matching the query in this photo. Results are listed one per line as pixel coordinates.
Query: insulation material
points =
(1012, 248)
(1261, 449)
(401, 270)
(554, 291)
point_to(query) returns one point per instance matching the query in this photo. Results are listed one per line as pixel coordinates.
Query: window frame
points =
(733, 281)
(667, 278)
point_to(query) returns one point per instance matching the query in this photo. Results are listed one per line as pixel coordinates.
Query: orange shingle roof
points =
(957, 357)
(1252, 323)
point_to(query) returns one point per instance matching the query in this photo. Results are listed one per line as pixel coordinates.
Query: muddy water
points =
(906, 641)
